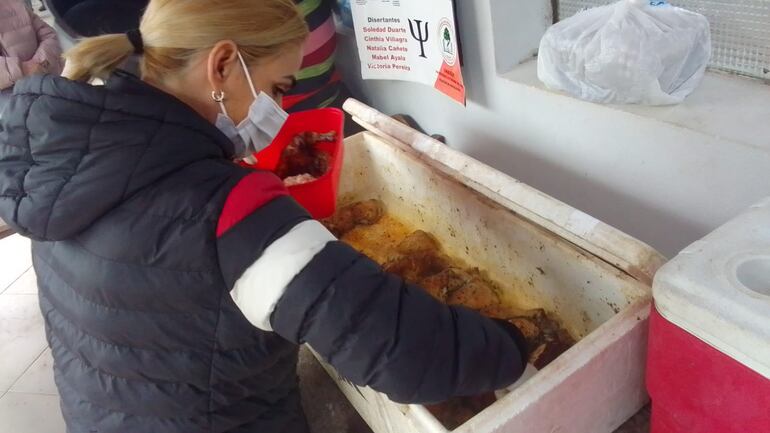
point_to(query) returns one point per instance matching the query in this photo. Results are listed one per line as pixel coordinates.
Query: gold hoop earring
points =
(218, 96)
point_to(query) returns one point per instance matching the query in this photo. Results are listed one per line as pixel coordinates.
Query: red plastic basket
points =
(319, 197)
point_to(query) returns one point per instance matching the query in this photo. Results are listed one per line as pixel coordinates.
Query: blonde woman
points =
(175, 285)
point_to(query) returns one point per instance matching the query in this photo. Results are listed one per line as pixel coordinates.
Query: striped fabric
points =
(318, 83)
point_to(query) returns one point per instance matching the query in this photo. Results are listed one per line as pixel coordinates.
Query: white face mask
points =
(259, 128)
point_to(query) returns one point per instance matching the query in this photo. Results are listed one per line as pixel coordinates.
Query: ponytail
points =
(97, 57)
(172, 32)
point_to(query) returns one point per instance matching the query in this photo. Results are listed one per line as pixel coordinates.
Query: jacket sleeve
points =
(49, 48)
(290, 276)
(10, 71)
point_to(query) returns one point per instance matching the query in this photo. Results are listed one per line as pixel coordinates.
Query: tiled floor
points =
(29, 402)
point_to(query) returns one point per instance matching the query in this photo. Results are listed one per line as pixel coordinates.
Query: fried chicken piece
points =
(547, 352)
(528, 327)
(296, 158)
(476, 294)
(498, 311)
(320, 164)
(534, 324)
(416, 267)
(368, 212)
(445, 282)
(419, 242)
(417, 257)
(551, 330)
(302, 156)
(317, 137)
(341, 222)
(544, 336)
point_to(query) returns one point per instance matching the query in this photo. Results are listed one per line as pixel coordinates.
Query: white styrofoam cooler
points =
(543, 252)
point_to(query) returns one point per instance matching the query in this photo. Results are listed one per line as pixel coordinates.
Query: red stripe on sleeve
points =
(251, 193)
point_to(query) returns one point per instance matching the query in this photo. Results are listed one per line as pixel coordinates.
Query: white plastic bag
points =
(629, 52)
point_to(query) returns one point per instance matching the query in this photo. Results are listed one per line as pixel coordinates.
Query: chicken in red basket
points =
(302, 161)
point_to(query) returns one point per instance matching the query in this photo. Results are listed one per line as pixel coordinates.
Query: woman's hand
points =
(32, 68)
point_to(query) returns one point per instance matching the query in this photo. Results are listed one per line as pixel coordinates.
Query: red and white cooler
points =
(709, 349)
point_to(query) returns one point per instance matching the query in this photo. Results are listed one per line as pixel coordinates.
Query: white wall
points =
(667, 176)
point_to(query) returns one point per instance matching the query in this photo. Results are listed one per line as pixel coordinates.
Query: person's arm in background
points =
(47, 57)
(12, 69)
(291, 276)
(49, 53)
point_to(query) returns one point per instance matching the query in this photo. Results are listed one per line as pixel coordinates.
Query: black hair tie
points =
(135, 37)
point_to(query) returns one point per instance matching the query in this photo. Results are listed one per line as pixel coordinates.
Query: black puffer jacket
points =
(176, 285)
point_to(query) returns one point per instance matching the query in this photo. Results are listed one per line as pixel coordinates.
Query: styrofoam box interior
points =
(594, 386)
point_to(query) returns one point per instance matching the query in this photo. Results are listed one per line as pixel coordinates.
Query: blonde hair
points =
(173, 31)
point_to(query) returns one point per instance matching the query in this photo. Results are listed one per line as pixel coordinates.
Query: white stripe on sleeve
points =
(262, 285)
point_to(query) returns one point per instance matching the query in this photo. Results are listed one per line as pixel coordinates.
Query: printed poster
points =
(410, 40)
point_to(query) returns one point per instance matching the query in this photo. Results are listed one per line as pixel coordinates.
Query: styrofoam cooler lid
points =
(718, 289)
